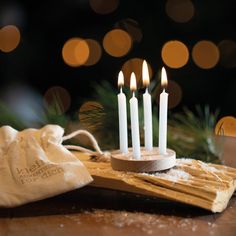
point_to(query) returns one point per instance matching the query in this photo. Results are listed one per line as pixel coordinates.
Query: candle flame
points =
(145, 74)
(120, 79)
(133, 84)
(164, 81)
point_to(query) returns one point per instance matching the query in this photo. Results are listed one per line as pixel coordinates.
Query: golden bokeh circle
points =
(104, 6)
(9, 38)
(75, 52)
(227, 53)
(95, 52)
(68, 52)
(134, 65)
(175, 94)
(226, 126)
(91, 114)
(180, 11)
(205, 54)
(82, 52)
(57, 99)
(175, 54)
(90, 106)
(117, 43)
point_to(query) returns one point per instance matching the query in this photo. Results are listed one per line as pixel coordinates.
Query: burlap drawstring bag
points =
(34, 165)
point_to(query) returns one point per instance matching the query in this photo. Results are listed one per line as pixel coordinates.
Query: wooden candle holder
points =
(150, 161)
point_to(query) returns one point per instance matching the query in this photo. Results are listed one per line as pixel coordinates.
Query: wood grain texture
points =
(150, 160)
(193, 182)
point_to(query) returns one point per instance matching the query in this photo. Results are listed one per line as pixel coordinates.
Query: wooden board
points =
(193, 182)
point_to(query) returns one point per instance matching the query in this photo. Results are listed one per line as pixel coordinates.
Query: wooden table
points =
(91, 211)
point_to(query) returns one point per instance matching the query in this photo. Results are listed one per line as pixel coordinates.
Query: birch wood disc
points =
(150, 161)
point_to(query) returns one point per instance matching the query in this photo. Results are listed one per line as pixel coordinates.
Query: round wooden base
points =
(150, 161)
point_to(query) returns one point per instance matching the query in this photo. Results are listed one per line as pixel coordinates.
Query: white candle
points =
(122, 111)
(134, 119)
(163, 114)
(147, 107)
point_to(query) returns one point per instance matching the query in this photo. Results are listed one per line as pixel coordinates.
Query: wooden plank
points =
(192, 182)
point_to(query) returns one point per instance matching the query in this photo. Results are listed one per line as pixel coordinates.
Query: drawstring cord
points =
(103, 156)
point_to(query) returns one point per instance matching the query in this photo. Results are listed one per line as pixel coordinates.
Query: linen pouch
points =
(34, 165)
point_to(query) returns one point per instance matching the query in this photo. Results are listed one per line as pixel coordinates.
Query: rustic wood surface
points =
(190, 181)
(92, 211)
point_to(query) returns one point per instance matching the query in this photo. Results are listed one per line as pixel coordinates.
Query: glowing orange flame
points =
(133, 84)
(164, 81)
(145, 74)
(120, 79)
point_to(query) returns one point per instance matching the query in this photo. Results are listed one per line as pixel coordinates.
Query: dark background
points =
(46, 25)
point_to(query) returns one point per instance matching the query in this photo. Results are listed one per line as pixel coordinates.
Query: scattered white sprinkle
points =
(194, 228)
(206, 167)
(162, 226)
(213, 225)
(173, 175)
(184, 161)
(61, 225)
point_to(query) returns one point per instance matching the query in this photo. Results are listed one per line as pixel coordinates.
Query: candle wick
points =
(146, 89)
(133, 94)
(121, 91)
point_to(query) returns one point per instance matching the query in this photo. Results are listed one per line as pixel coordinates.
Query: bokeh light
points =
(12, 14)
(57, 99)
(88, 107)
(175, 94)
(205, 54)
(117, 43)
(226, 126)
(9, 38)
(132, 27)
(104, 6)
(227, 53)
(89, 112)
(175, 54)
(180, 11)
(75, 52)
(25, 103)
(95, 52)
(134, 65)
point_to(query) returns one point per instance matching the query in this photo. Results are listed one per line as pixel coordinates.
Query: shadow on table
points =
(89, 198)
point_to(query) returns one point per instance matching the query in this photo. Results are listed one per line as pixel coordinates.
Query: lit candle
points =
(163, 114)
(134, 119)
(147, 107)
(122, 111)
